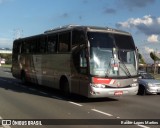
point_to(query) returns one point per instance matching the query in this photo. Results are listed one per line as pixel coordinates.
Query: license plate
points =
(118, 93)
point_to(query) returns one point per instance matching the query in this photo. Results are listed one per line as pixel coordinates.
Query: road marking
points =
(75, 103)
(143, 126)
(4, 126)
(104, 113)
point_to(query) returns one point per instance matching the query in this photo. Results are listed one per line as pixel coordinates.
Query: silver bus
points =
(86, 60)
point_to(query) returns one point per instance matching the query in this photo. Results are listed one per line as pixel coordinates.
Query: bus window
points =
(83, 62)
(80, 60)
(24, 47)
(124, 42)
(16, 47)
(52, 43)
(78, 37)
(64, 42)
(41, 45)
(33, 47)
(27, 47)
(16, 50)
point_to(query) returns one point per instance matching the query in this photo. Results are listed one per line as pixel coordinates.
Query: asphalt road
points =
(35, 103)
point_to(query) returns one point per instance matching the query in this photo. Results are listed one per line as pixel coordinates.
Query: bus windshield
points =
(112, 55)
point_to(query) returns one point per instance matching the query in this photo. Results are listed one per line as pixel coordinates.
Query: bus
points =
(90, 61)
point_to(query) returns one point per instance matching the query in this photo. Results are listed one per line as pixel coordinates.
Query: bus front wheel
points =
(23, 77)
(64, 86)
(142, 90)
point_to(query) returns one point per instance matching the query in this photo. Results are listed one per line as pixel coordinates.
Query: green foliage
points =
(141, 60)
(8, 57)
(154, 57)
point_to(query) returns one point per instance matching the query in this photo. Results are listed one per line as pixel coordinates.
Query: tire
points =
(64, 86)
(142, 90)
(23, 78)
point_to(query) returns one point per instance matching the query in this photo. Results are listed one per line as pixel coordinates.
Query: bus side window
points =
(16, 51)
(16, 47)
(27, 48)
(41, 45)
(52, 43)
(78, 37)
(79, 60)
(64, 42)
(33, 46)
(23, 48)
(83, 62)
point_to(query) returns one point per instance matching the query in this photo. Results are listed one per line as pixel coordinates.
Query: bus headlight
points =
(134, 84)
(134, 80)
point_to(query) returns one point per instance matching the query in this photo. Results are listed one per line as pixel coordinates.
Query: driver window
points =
(83, 62)
(80, 61)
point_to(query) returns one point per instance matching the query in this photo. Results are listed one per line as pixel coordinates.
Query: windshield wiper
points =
(126, 69)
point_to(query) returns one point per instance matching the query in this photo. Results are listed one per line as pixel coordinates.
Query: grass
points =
(6, 65)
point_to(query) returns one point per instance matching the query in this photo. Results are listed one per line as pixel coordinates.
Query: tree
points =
(141, 60)
(154, 58)
(8, 57)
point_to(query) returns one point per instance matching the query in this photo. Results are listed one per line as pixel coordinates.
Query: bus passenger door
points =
(79, 79)
(83, 70)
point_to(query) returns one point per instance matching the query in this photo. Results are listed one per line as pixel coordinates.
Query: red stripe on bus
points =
(101, 80)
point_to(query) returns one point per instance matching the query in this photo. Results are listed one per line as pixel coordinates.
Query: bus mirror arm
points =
(137, 52)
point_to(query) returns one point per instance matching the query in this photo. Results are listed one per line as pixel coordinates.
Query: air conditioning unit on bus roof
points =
(61, 27)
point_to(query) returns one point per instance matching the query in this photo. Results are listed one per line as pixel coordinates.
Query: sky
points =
(22, 18)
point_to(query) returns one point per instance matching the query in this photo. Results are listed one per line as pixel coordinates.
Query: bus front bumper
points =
(110, 92)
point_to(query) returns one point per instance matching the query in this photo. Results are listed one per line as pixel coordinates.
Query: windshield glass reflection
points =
(108, 60)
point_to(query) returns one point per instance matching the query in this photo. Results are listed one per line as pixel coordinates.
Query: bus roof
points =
(88, 28)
